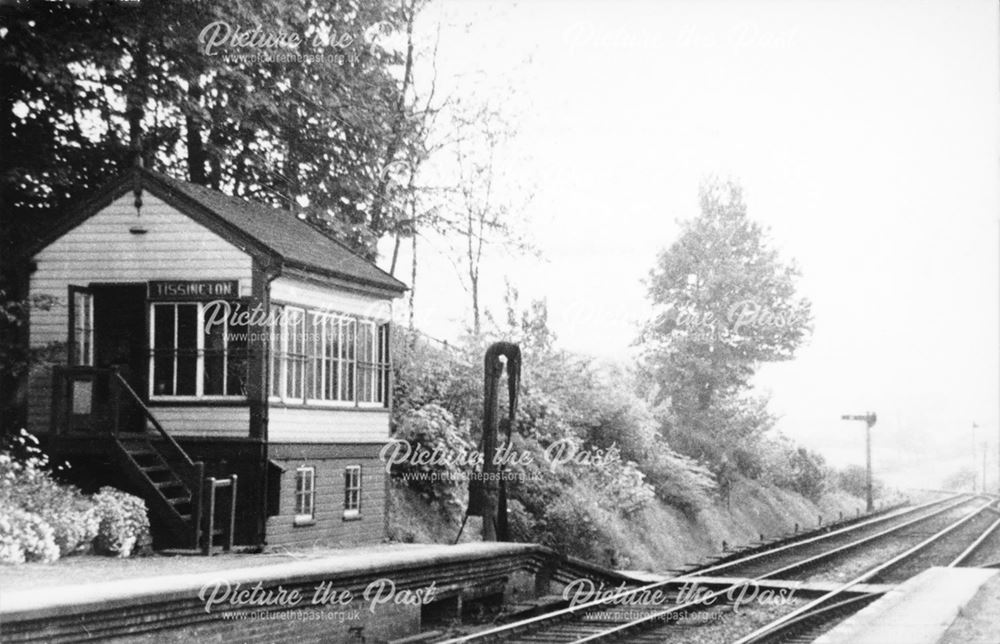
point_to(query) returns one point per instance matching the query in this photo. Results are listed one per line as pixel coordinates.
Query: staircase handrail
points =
(149, 415)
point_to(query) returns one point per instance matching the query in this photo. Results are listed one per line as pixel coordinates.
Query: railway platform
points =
(936, 606)
(379, 594)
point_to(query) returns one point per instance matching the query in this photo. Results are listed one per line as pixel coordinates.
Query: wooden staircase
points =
(157, 467)
(175, 498)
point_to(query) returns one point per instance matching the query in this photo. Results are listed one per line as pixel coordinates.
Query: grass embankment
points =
(657, 538)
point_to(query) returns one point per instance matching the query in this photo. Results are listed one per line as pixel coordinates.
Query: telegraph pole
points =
(870, 418)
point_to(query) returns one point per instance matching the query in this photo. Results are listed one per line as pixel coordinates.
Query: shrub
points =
(431, 430)
(853, 479)
(26, 483)
(802, 471)
(123, 523)
(25, 536)
(520, 522)
(69, 513)
(572, 524)
(619, 485)
(74, 522)
(679, 481)
(41, 519)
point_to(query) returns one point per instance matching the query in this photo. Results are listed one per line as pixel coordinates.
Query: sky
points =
(865, 136)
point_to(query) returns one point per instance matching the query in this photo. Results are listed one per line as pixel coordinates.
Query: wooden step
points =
(172, 483)
(135, 443)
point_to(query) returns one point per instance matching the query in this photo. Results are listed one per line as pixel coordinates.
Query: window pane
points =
(365, 361)
(163, 349)
(350, 337)
(163, 373)
(296, 358)
(187, 374)
(276, 353)
(314, 368)
(215, 358)
(304, 491)
(296, 340)
(333, 376)
(236, 360)
(163, 321)
(187, 326)
(187, 346)
(83, 329)
(382, 358)
(352, 488)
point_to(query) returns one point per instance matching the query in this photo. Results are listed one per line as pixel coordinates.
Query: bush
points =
(25, 536)
(123, 523)
(801, 471)
(853, 479)
(69, 513)
(74, 522)
(27, 484)
(679, 481)
(574, 524)
(431, 430)
(42, 519)
(620, 485)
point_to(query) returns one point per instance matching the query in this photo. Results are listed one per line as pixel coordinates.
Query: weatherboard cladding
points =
(294, 242)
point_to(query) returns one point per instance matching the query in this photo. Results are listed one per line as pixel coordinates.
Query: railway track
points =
(972, 554)
(597, 620)
(663, 611)
(805, 622)
(798, 560)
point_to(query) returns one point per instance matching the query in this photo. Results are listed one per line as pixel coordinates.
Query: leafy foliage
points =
(961, 480)
(724, 303)
(430, 430)
(853, 480)
(802, 471)
(42, 519)
(124, 523)
(17, 359)
(85, 85)
(25, 536)
(616, 462)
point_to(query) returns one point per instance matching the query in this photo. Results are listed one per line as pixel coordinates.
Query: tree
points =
(853, 479)
(725, 303)
(482, 207)
(88, 86)
(961, 480)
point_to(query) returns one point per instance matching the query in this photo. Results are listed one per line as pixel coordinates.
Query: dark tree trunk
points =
(137, 94)
(196, 155)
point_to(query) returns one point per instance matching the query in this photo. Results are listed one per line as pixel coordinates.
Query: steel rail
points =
(831, 611)
(554, 616)
(974, 545)
(710, 597)
(701, 572)
(773, 628)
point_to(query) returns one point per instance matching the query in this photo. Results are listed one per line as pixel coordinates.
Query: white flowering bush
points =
(123, 524)
(74, 522)
(25, 536)
(42, 519)
(27, 484)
